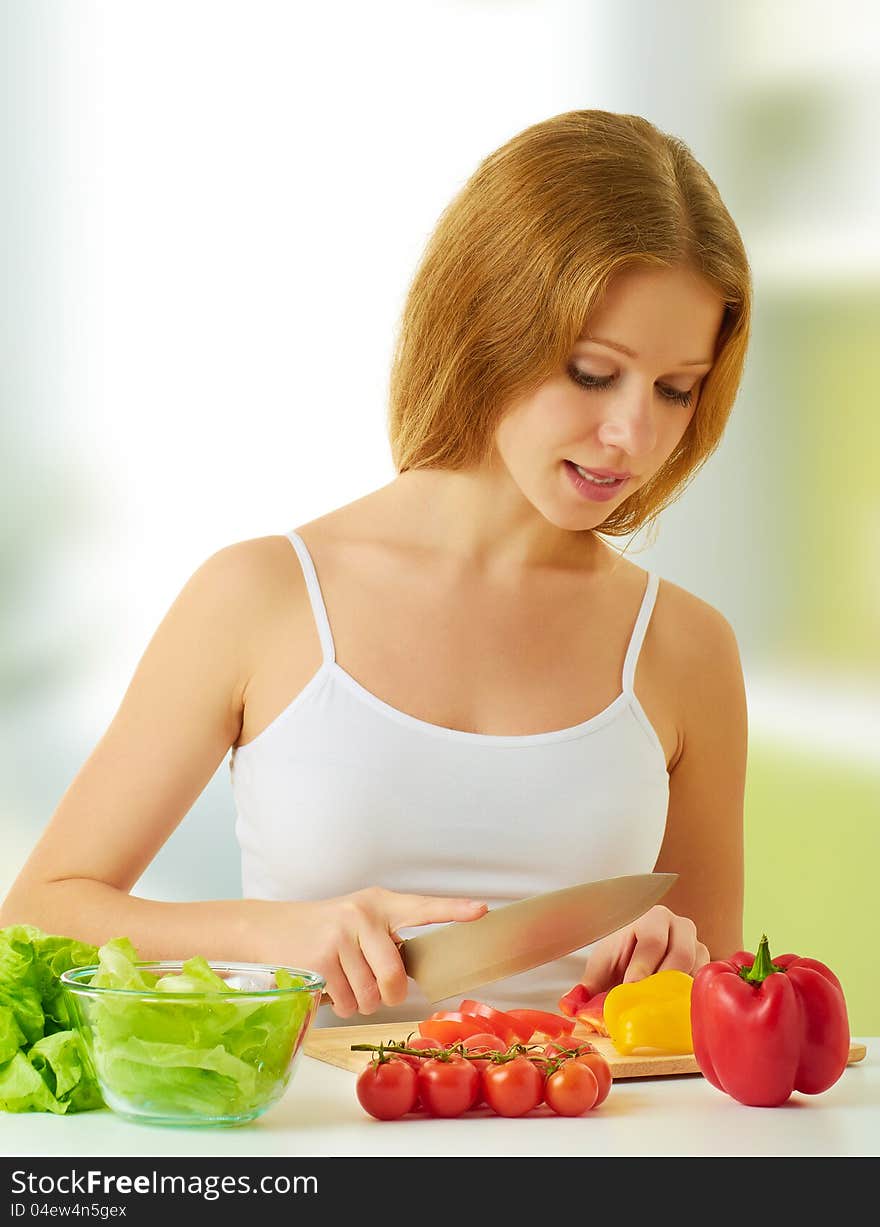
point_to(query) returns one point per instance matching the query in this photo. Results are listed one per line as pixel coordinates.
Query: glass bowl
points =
(168, 1057)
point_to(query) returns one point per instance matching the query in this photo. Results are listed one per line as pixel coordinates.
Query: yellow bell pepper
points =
(651, 1013)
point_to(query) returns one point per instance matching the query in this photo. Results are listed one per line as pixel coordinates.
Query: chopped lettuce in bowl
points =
(190, 1042)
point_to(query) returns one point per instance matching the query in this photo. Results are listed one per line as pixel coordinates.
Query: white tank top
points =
(342, 791)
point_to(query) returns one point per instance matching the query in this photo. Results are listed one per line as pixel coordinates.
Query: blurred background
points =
(210, 215)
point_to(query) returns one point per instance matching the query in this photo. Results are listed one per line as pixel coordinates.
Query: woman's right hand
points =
(351, 941)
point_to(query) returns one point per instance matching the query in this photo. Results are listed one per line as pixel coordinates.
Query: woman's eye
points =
(605, 381)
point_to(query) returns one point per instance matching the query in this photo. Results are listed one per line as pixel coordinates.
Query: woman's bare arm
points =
(703, 843)
(178, 718)
(700, 918)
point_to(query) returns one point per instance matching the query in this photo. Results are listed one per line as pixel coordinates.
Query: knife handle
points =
(325, 997)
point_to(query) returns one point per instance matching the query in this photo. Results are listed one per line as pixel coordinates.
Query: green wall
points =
(812, 853)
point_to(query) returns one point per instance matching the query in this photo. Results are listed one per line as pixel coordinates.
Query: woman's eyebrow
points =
(629, 353)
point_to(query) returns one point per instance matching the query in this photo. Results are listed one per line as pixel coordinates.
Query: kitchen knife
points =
(463, 955)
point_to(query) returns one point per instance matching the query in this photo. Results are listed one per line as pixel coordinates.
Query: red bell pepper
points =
(579, 1003)
(450, 1026)
(763, 1028)
(511, 1030)
(574, 1000)
(549, 1024)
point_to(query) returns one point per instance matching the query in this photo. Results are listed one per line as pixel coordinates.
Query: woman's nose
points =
(628, 422)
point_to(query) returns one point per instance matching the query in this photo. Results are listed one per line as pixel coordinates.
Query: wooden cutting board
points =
(333, 1045)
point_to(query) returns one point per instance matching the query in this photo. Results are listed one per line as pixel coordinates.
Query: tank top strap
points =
(638, 635)
(319, 609)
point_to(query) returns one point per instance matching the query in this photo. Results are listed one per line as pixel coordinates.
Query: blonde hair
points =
(520, 258)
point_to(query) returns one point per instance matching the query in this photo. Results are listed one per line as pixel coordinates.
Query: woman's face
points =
(612, 410)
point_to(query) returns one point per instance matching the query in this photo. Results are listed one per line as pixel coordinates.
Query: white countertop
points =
(320, 1116)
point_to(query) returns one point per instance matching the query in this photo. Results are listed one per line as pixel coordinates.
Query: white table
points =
(320, 1116)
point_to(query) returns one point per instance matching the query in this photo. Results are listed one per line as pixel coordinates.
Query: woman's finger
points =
(681, 950)
(403, 911)
(338, 989)
(702, 958)
(359, 974)
(606, 961)
(385, 964)
(652, 940)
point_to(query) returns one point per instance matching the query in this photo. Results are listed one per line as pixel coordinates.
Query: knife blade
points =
(464, 955)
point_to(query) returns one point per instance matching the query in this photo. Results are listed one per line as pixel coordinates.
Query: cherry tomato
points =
(448, 1026)
(387, 1089)
(417, 1041)
(544, 1021)
(447, 1087)
(484, 1040)
(567, 1043)
(572, 1089)
(601, 1070)
(513, 1088)
(482, 1043)
(587, 1054)
(512, 1030)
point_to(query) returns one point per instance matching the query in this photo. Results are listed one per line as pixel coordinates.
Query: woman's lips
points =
(585, 468)
(593, 491)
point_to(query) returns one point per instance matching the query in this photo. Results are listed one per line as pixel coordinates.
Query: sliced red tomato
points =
(450, 1026)
(549, 1024)
(511, 1030)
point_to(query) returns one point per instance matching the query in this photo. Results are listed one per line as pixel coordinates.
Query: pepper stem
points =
(763, 965)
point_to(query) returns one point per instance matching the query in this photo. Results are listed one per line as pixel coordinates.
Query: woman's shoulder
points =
(693, 633)
(680, 599)
(698, 614)
(683, 624)
(263, 578)
(261, 566)
(269, 568)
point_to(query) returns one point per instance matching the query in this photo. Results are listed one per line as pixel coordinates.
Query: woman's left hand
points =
(657, 941)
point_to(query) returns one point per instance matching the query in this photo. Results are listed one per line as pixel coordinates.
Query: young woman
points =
(452, 692)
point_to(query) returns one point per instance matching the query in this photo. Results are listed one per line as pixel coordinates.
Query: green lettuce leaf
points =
(11, 1035)
(23, 1090)
(116, 967)
(61, 1062)
(43, 1065)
